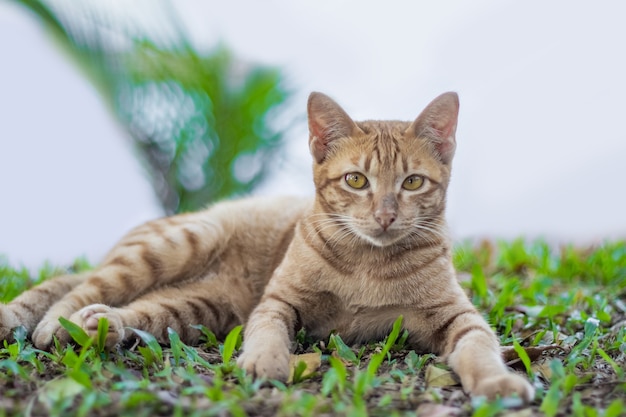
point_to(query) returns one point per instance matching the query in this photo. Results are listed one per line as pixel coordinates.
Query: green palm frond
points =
(202, 123)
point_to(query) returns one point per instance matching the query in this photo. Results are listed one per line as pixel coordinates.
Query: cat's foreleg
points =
(28, 308)
(268, 337)
(462, 336)
(476, 358)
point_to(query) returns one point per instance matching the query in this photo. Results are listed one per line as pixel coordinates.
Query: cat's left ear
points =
(327, 123)
(438, 123)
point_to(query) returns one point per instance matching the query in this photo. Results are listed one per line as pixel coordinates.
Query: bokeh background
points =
(116, 112)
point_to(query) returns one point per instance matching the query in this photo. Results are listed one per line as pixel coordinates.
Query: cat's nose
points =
(386, 211)
(385, 218)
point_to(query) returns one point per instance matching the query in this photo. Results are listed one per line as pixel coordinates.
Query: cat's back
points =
(249, 232)
(257, 214)
(255, 231)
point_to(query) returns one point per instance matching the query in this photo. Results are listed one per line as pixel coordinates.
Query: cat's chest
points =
(359, 293)
(394, 282)
(366, 278)
(365, 307)
(357, 324)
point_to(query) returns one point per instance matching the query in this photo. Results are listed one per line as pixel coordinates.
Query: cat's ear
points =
(438, 123)
(327, 122)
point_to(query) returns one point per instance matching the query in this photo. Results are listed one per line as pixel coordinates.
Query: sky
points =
(540, 147)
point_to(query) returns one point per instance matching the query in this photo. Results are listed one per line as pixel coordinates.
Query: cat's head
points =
(382, 182)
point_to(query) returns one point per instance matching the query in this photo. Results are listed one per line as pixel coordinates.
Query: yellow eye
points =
(413, 183)
(356, 180)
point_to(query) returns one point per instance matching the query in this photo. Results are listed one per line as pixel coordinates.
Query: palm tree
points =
(203, 124)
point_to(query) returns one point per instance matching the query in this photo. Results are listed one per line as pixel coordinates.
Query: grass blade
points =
(103, 331)
(343, 350)
(153, 345)
(377, 358)
(231, 343)
(521, 352)
(76, 332)
(176, 345)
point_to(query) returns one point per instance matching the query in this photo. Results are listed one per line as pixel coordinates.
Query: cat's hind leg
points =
(158, 253)
(88, 318)
(28, 308)
(210, 302)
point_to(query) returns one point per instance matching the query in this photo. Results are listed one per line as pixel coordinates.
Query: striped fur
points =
(351, 260)
(205, 268)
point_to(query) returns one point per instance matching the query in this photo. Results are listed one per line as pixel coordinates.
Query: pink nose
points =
(385, 218)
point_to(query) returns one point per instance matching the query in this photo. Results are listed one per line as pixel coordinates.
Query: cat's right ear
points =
(327, 122)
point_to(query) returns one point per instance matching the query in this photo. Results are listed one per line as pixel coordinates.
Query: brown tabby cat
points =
(370, 247)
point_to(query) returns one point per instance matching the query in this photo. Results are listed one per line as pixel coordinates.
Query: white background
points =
(541, 147)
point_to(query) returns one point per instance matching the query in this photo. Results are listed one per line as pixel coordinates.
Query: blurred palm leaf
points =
(202, 122)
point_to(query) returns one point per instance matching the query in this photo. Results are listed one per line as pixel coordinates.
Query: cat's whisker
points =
(435, 229)
(430, 235)
(347, 238)
(320, 225)
(328, 215)
(330, 221)
(433, 232)
(333, 220)
(345, 232)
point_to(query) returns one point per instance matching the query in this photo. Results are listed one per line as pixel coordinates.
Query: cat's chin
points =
(383, 239)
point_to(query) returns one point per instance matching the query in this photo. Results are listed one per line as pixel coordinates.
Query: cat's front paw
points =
(45, 330)
(504, 385)
(88, 318)
(267, 360)
(8, 322)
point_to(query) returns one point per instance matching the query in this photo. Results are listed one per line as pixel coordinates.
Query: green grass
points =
(561, 311)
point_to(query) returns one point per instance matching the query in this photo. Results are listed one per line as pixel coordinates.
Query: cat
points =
(370, 246)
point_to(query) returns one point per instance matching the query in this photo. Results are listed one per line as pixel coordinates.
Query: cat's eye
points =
(413, 183)
(356, 180)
